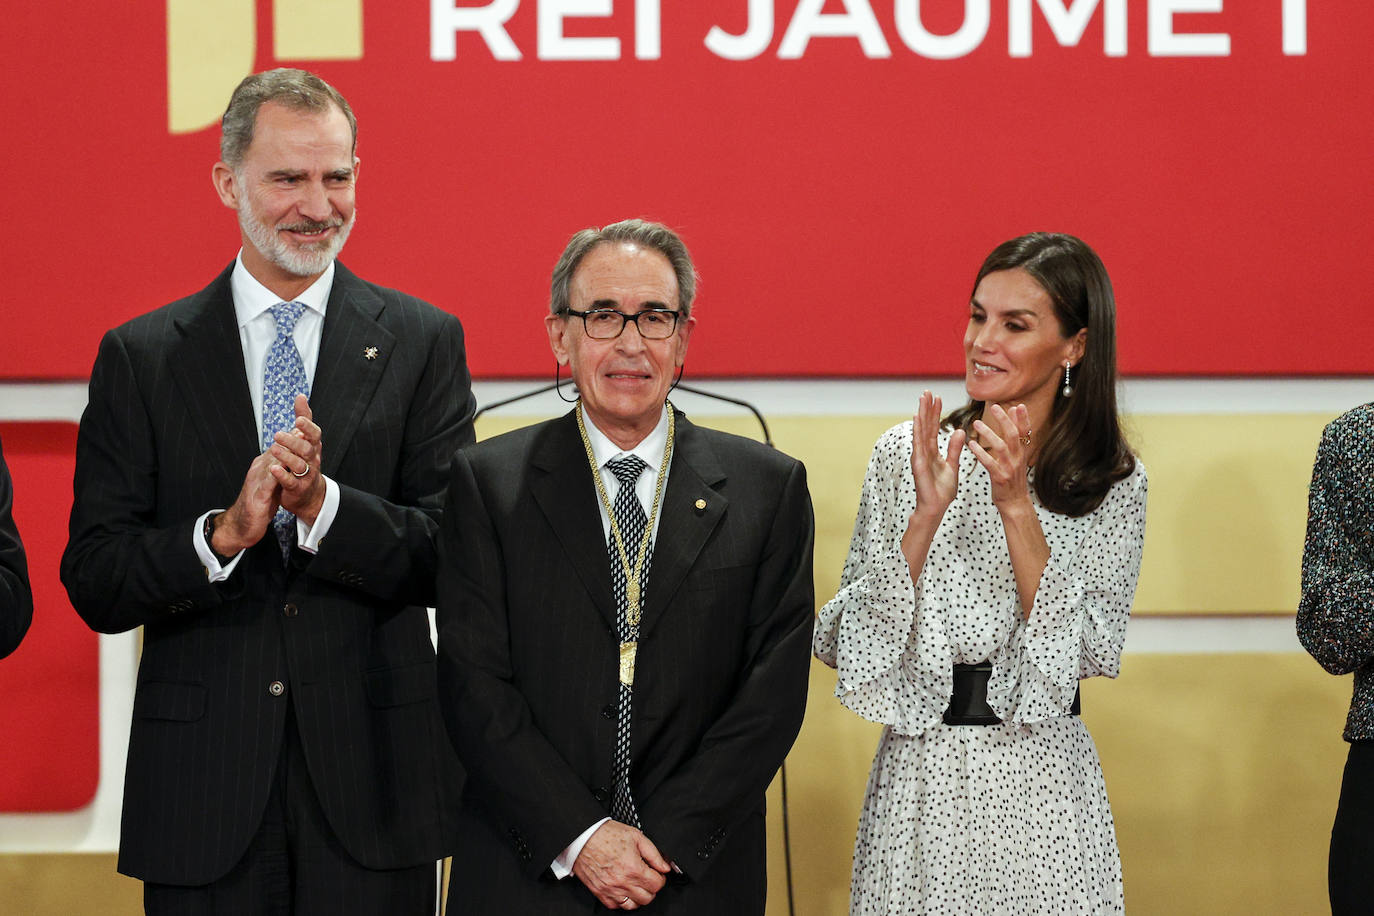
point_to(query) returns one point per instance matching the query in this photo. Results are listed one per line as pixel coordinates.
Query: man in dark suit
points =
(16, 598)
(617, 749)
(286, 753)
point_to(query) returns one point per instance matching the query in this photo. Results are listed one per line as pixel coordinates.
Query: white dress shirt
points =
(253, 304)
(650, 450)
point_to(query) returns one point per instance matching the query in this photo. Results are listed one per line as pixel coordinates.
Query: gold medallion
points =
(627, 662)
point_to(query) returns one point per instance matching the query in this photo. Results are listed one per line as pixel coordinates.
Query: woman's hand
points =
(1003, 447)
(936, 476)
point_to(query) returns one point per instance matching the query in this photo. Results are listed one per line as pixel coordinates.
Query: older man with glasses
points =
(625, 604)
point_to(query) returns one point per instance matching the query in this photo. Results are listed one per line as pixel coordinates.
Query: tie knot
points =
(286, 315)
(627, 469)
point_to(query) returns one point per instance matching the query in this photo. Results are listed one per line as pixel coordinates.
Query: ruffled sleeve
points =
(1077, 625)
(889, 670)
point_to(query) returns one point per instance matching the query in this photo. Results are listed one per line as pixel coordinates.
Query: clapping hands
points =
(936, 476)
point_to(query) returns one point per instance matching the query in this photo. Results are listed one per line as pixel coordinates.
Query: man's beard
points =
(303, 260)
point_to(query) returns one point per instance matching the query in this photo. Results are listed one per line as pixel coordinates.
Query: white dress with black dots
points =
(978, 820)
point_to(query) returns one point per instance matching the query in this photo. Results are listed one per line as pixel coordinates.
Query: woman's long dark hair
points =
(1083, 452)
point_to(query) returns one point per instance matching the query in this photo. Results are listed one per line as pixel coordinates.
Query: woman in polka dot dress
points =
(1009, 534)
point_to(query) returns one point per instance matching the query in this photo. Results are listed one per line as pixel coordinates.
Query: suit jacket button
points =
(290, 610)
(703, 855)
(600, 795)
(276, 688)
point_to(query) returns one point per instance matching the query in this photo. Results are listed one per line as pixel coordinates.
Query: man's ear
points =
(557, 328)
(226, 185)
(684, 333)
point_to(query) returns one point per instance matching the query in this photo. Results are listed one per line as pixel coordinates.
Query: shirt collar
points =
(650, 449)
(251, 298)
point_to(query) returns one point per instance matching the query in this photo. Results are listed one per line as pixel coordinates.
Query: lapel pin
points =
(369, 352)
(700, 506)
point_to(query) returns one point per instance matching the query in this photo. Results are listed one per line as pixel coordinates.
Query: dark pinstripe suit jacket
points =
(169, 434)
(528, 664)
(16, 598)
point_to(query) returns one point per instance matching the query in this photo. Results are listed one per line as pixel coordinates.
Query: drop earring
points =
(1068, 382)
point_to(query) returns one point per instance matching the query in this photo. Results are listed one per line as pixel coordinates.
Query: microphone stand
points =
(691, 389)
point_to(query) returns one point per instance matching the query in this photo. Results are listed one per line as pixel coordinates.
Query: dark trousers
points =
(295, 865)
(1352, 836)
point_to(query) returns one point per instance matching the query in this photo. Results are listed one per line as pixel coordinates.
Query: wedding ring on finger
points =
(307, 471)
(1025, 439)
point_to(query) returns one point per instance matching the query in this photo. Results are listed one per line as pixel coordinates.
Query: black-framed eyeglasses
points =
(608, 324)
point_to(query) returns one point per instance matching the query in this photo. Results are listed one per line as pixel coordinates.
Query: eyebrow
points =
(1012, 313)
(301, 173)
(612, 304)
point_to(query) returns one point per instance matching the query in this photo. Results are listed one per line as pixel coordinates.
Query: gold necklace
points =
(633, 577)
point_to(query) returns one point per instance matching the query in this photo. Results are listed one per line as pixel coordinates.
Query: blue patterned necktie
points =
(629, 515)
(283, 377)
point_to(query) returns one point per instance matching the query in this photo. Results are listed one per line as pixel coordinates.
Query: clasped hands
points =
(1002, 445)
(287, 475)
(621, 866)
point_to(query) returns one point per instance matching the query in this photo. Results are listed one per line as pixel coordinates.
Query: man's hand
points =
(296, 457)
(621, 866)
(245, 522)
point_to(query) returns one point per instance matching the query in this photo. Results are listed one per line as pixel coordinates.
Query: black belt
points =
(968, 705)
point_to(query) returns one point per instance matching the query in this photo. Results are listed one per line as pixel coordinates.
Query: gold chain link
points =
(632, 577)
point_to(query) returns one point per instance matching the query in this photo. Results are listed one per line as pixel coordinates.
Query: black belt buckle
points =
(968, 703)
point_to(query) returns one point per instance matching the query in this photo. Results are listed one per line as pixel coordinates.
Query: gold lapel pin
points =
(700, 506)
(369, 352)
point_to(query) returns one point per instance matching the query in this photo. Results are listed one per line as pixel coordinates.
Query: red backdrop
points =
(50, 754)
(853, 195)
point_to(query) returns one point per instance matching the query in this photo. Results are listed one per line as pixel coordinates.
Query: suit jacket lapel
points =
(683, 528)
(566, 494)
(207, 363)
(354, 351)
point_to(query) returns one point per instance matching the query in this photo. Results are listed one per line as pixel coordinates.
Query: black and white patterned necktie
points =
(629, 515)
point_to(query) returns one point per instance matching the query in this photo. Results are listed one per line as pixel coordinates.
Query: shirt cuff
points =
(213, 570)
(308, 537)
(563, 865)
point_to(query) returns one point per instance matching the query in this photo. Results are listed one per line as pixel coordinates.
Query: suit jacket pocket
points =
(401, 684)
(170, 700)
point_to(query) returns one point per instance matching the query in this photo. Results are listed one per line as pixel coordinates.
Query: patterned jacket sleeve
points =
(1336, 611)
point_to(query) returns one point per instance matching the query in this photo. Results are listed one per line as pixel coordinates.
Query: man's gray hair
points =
(298, 89)
(635, 231)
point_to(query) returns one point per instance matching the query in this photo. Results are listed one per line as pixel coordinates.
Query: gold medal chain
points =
(632, 576)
